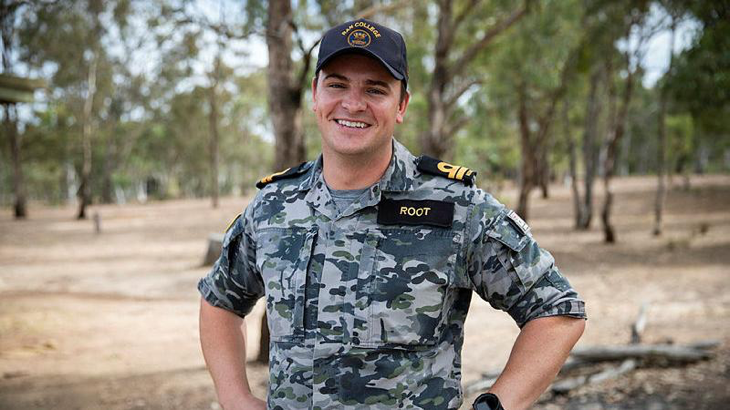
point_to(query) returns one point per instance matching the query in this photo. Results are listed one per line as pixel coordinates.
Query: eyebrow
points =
(368, 82)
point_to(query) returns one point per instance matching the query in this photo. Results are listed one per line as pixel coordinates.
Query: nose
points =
(353, 101)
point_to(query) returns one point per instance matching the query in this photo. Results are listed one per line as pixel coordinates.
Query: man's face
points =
(357, 104)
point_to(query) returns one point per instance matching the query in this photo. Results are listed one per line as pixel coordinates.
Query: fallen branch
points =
(572, 363)
(668, 352)
(569, 384)
(705, 344)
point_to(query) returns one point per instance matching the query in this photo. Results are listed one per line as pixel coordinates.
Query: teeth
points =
(352, 124)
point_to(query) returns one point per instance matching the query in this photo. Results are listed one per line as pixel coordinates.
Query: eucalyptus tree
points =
(674, 15)
(9, 11)
(461, 36)
(612, 24)
(530, 71)
(699, 87)
(69, 39)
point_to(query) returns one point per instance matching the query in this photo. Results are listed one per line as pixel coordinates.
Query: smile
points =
(352, 124)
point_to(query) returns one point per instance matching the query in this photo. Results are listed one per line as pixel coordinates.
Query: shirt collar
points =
(398, 176)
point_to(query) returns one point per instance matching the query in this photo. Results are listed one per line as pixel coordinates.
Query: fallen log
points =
(671, 353)
(705, 344)
(566, 385)
(572, 363)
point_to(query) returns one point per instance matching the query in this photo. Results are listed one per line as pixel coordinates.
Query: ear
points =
(314, 94)
(401, 114)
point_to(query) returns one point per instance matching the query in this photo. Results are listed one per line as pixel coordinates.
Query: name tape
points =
(415, 212)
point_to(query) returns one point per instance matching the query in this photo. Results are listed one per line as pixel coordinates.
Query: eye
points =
(335, 85)
(376, 91)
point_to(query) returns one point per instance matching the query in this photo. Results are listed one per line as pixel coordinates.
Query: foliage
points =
(155, 64)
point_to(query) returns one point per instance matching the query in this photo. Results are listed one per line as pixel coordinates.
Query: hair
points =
(403, 87)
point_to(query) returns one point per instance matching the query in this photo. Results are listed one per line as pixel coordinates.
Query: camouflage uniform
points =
(364, 315)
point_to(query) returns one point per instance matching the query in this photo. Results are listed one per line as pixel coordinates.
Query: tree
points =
(70, 36)
(84, 193)
(8, 10)
(285, 86)
(448, 82)
(533, 90)
(699, 82)
(662, 136)
(632, 59)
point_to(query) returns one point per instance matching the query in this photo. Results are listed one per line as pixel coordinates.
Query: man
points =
(368, 258)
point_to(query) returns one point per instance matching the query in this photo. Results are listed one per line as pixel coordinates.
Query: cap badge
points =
(359, 38)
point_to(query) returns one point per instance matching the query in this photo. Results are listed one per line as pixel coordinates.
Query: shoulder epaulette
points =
(287, 173)
(230, 225)
(437, 167)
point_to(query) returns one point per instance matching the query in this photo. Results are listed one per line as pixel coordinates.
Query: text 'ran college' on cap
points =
(368, 38)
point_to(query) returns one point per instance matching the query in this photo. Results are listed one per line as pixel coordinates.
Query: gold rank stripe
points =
(272, 176)
(454, 171)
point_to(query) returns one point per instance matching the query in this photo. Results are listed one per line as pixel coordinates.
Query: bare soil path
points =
(109, 320)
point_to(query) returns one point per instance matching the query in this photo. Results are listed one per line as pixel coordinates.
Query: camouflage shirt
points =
(370, 315)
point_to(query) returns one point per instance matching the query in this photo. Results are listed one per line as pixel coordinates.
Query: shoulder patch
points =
(521, 224)
(287, 173)
(437, 167)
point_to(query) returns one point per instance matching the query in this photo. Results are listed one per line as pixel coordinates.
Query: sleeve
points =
(235, 283)
(509, 270)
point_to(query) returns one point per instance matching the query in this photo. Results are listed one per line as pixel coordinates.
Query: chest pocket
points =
(282, 256)
(402, 285)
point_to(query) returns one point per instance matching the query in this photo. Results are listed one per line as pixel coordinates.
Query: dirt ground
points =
(109, 320)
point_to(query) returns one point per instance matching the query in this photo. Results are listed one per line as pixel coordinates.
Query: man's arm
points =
(223, 339)
(538, 354)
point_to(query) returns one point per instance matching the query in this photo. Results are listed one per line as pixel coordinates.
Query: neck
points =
(354, 172)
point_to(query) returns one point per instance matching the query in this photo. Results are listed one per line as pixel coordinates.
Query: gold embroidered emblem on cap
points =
(361, 24)
(413, 211)
(359, 38)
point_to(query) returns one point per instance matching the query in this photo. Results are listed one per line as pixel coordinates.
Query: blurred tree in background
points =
(182, 98)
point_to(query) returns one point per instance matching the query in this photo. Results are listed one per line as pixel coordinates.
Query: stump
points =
(215, 244)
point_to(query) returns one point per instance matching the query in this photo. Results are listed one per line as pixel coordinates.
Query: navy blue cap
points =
(368, 38)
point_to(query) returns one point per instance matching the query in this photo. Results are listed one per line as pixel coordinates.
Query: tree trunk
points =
(527, 165)
(572, 167)
(84, 193)
(590, 150)
(110, 160)
(213, 123)
(285, 97)
(7, 27)
(662, 146)
(612, 147)
(11, 128)
(544, 172)
(437, 140)
(535, 145)
(661, 171)
(433, 142)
